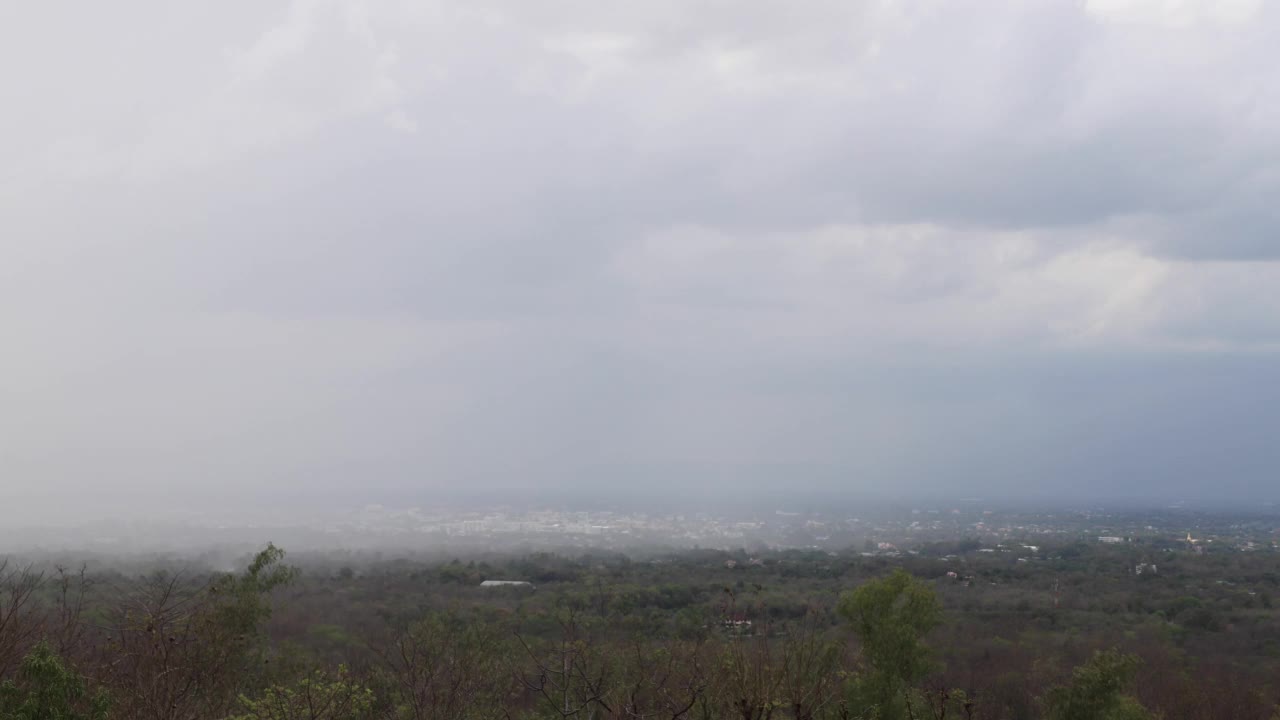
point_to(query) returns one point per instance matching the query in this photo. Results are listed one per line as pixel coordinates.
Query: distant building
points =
(1110, 540)
(506, 583)
(1144, 568)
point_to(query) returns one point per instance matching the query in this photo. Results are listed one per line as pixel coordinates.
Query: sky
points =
(260, 252)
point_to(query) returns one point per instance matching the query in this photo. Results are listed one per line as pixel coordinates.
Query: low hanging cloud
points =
(963, 247)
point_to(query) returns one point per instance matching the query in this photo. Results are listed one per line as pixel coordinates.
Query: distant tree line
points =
(240, 646)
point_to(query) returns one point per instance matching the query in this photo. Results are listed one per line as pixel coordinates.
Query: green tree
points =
(46, 689)
(1097, 691)
(243, 601)
(179, 651)
(891, 616)
(318, 697)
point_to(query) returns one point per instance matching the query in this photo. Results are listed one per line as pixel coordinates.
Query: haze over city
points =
(329, 254)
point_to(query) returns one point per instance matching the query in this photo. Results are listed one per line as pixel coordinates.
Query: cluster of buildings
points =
(886, 532)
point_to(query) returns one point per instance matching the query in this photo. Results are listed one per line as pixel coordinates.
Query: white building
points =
(506, 583)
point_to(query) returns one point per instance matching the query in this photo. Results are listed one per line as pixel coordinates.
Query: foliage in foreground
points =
(1097, 691)
(318, 697)
(46, 689)
(174, 648)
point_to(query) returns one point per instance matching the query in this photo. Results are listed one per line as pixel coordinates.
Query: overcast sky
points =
(263, 250)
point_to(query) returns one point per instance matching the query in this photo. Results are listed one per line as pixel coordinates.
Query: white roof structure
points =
(502, 583)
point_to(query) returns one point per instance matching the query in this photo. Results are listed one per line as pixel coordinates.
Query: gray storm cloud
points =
(294, 249)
